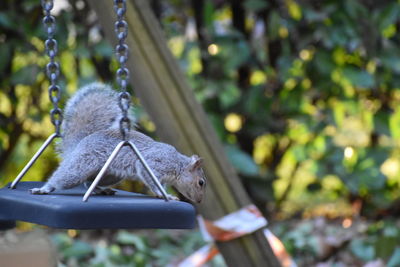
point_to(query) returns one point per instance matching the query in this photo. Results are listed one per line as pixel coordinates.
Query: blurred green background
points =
(304, 95)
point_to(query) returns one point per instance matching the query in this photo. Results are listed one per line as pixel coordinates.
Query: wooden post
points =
(27, 249)
(181, 121)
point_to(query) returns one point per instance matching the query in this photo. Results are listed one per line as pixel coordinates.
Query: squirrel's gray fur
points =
(90, 132)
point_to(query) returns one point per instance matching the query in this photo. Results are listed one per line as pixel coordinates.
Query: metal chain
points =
(122, 51)
(52, 68)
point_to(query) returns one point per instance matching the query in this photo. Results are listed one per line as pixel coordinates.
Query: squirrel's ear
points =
(195, 162)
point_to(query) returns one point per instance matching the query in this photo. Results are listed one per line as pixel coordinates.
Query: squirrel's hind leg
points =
(73, 171)
(104, 191)
(98, 190)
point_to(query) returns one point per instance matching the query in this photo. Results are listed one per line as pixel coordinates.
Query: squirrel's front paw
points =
(38, 191)
(170, 197)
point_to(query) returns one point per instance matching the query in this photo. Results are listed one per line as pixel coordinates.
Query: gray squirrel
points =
(90, 132)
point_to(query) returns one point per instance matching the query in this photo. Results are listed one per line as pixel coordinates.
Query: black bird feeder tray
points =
(65, 209)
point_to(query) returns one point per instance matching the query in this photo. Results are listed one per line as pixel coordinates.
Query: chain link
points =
(52, 68)
(122, 51)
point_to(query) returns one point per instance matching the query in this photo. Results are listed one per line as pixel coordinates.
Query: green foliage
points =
(312, 241)
(126, 248)
(381, 242)
(324, 83)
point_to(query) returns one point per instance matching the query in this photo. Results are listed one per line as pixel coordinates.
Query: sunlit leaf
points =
(294, 9)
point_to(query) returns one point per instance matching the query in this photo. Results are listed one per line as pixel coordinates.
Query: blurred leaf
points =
(299, 152)
(78, 249)
(255, 5)
(230, 95)
(239, 48)
(6, 21)
(101, 256)
(254, 102)
(294, 9)
(61, 240)
(362, 249)
(388, 15)
(339, 36)
(26, 75)
(275, 22)
(355, 9)
(357, 77)
(103, 49)
(312, 15)
(374, 181)
(208, 14)
(82, 51)
(384, 246)
(243, 162)
(5, 55)
(390, 59)
(324, 63)
(30, 4)
(395, 258)
(381, 123)
(127, 238)
(218, 124)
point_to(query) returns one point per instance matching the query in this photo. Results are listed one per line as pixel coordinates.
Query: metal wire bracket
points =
(112, 157)
(33, 159)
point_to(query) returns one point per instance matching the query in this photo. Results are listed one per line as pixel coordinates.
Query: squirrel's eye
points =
(201, 182)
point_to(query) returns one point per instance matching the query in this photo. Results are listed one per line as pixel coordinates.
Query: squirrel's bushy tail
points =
(93, 108)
